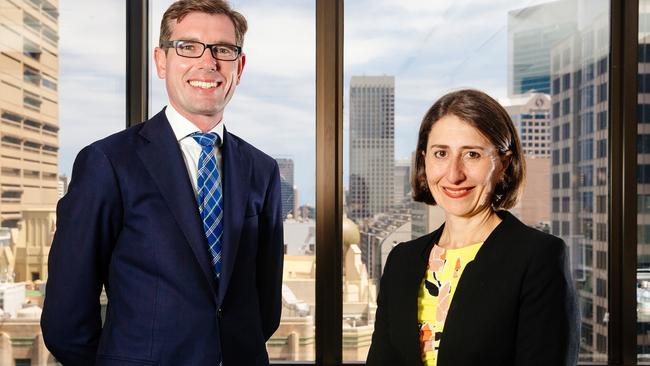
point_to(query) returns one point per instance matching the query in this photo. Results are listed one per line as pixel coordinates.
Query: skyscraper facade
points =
(531, 116)
(532, 31)
(29, 154)
(29, 128)
(372, 145)
(579, 175)
(286, 185)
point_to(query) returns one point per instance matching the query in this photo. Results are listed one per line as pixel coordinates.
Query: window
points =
(566, 131)
(566, 203)
(643, 113)
(601, 261)
(601, 287)
(269, 22)
(566, 155)
(31, 49)
(601, 176)
(644, 83)
(643, 144)
(31, 75)
(643, 203)
(602, 120)
(602, 93)
(587, 202)
(582, 55)
(601, 148)
(588, 96)
(566, 82)
(565, 228)
(601, 204)
(90, 62)
(587, 125)
(566, 106)
(555, 181)
(643, 174)
(585, 176)
(602, 66)
(566, 181)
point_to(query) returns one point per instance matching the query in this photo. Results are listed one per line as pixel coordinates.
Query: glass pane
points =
(273, 109)
(547, 64)
(61, 88)
(643, 187)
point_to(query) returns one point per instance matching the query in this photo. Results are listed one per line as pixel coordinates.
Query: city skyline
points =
(92, 78)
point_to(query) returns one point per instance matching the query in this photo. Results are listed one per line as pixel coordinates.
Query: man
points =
(177, 218)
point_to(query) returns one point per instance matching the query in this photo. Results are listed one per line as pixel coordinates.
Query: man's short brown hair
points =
(178, 10)
(488, 116)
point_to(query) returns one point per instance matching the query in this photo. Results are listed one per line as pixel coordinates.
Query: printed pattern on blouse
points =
(436, 292)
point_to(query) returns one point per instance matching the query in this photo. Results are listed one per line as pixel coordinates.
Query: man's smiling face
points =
(200, 86)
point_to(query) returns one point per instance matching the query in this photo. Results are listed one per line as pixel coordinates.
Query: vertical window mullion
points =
(329, 181)
(623, 161)
(137, 61)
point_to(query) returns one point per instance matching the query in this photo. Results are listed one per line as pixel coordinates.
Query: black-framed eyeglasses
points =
(195, 49)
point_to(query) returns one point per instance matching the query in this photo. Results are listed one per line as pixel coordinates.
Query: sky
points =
(431, 47)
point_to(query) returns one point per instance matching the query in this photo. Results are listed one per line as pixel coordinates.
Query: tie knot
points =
(205, 139)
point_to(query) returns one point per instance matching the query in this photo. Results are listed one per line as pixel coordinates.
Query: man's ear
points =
(160, 58)
(240, 66)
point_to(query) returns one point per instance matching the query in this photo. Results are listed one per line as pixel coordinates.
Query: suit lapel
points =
(236, 187)
(163, 160)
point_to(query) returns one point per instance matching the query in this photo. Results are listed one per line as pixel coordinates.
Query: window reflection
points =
(547, 62)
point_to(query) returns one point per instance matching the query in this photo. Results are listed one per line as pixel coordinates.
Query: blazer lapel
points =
(413, 273)
(236, 187)
(163, 160)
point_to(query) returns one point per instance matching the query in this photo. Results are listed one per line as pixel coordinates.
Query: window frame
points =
(622, 200)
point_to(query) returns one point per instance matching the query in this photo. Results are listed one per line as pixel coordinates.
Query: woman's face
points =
(462, 167)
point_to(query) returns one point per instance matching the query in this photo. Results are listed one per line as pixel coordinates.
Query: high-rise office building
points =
(29, 154)
(29, 141)
(402, 179)
(532, 32)
(579, 175)
(531, 116)
(286, 185)
(372, 145)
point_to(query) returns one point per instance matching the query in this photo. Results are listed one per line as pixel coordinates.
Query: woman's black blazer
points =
(514, 304)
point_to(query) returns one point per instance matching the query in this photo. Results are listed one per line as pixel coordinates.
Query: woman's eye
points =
(473, 155)
(440, 154)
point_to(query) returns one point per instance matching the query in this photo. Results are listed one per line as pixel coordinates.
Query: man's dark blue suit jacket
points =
(130, 222)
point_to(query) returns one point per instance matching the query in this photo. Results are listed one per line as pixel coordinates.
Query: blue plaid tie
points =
(210, 196)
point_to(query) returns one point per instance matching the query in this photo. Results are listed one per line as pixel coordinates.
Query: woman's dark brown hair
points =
(486, 115)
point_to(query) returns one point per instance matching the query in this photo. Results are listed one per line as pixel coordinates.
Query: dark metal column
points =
(137, 61)
(329, 181)
(623, 165)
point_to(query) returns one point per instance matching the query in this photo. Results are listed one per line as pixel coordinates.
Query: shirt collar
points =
(182, 127)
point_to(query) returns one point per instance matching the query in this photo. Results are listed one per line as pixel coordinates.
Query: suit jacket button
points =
(219, 313)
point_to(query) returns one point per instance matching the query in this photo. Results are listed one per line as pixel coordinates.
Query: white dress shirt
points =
(183, 129)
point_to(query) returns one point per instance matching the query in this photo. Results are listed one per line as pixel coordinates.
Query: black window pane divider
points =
(137, 61)
(623, 161)
(329, 182)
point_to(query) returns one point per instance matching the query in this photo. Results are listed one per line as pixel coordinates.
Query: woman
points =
(483, 289)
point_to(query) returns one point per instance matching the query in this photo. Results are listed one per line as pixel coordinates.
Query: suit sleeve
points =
(270, 257)
(548, 320)
(382, 352)
(88, 221)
